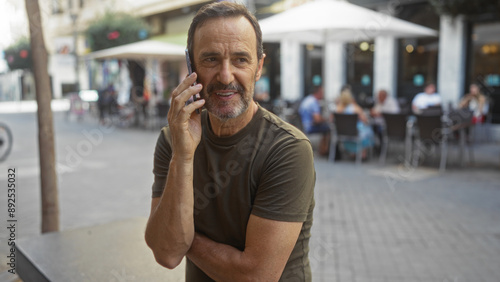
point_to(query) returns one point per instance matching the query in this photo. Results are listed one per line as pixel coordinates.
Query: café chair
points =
(439, 130)
(459, 121)
(345, 129)
(483, 128)
(430, 132)
(432, 111)
(404, 105)
(396, 129)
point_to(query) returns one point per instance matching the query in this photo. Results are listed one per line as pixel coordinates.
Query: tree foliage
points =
(466, 7)
(18, 55)
(114, 29)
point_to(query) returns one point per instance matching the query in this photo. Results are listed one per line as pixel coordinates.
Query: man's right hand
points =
(183, 120)
(170, 229)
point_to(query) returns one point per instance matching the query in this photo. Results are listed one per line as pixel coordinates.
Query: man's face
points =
(320, 93)
(381, 96)
(225, 58)
(430, 89)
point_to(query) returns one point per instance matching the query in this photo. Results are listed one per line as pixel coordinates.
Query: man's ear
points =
(258, 73)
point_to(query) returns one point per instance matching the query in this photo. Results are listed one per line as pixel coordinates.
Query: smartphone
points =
(190, 71)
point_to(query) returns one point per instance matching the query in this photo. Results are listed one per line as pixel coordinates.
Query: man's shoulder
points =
(280, 127)
(419, 96)
(308, 100)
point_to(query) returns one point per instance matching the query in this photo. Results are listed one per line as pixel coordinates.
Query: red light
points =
(23, 54)
(113, 35)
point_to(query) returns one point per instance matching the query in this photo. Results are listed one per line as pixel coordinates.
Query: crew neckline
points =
(233, 139)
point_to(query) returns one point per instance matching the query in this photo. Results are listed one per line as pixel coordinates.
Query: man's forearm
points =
(225, 263)
(219, 261)
(170, 229)
(318, 118)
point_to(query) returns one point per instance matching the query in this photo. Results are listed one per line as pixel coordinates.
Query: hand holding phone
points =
(190, 71)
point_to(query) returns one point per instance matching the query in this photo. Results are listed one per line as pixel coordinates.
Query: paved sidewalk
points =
(371, 223)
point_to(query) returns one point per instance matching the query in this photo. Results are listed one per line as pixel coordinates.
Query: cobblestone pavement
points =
(434, 227)
(371, 223)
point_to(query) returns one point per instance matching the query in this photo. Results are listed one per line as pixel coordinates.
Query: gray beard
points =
(240, 107)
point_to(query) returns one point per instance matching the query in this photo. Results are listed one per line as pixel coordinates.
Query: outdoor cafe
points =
(407, 137)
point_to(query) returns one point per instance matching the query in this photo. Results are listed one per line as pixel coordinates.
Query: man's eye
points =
(242, 60)
(210, 59)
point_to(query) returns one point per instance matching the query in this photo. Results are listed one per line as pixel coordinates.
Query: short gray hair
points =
(224, 10)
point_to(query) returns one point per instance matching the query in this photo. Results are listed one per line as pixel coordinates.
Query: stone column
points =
(452, 57)
(385, 65)
(292, 71)
(335, 69)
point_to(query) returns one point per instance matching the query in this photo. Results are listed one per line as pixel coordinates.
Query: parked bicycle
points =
(5, 141)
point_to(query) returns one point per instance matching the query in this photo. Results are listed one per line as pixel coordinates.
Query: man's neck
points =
(234, 125)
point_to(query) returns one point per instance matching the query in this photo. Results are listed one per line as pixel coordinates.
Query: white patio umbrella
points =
(321, 21)
(147, 49)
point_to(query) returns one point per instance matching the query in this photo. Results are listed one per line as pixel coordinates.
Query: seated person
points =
(383, 104)
(347, 105)
(312, 120)
(426, 99)
(476, 102)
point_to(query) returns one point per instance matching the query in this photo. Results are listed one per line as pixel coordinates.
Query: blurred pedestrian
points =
(234, 185)
(139, 95)
(106, 102)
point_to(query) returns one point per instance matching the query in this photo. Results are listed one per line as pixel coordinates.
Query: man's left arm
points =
(316, 113)
(268, 246)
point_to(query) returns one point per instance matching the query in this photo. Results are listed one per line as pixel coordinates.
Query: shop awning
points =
(141, 50)
(320, 21)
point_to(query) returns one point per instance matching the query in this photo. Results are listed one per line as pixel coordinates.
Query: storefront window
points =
(418, 57)
(485, 63)
(271, 71)
(313, 67)
(360, 69)
(417, 65)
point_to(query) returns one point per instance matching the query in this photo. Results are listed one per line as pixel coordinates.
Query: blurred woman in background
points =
(347, 105)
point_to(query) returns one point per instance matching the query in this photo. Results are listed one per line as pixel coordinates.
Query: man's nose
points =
(225, 75)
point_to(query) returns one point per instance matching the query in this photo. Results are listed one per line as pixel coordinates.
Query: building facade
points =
(466, 51)
(68, 20)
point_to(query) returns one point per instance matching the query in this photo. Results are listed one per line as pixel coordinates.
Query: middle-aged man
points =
(384, 104)
(426, 99)
(234, 186)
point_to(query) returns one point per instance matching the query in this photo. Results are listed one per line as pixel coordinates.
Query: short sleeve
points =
(286, 188)
(315, 108)
(162, 156)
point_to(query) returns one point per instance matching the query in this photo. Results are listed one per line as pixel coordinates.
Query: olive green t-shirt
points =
(265, 169)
